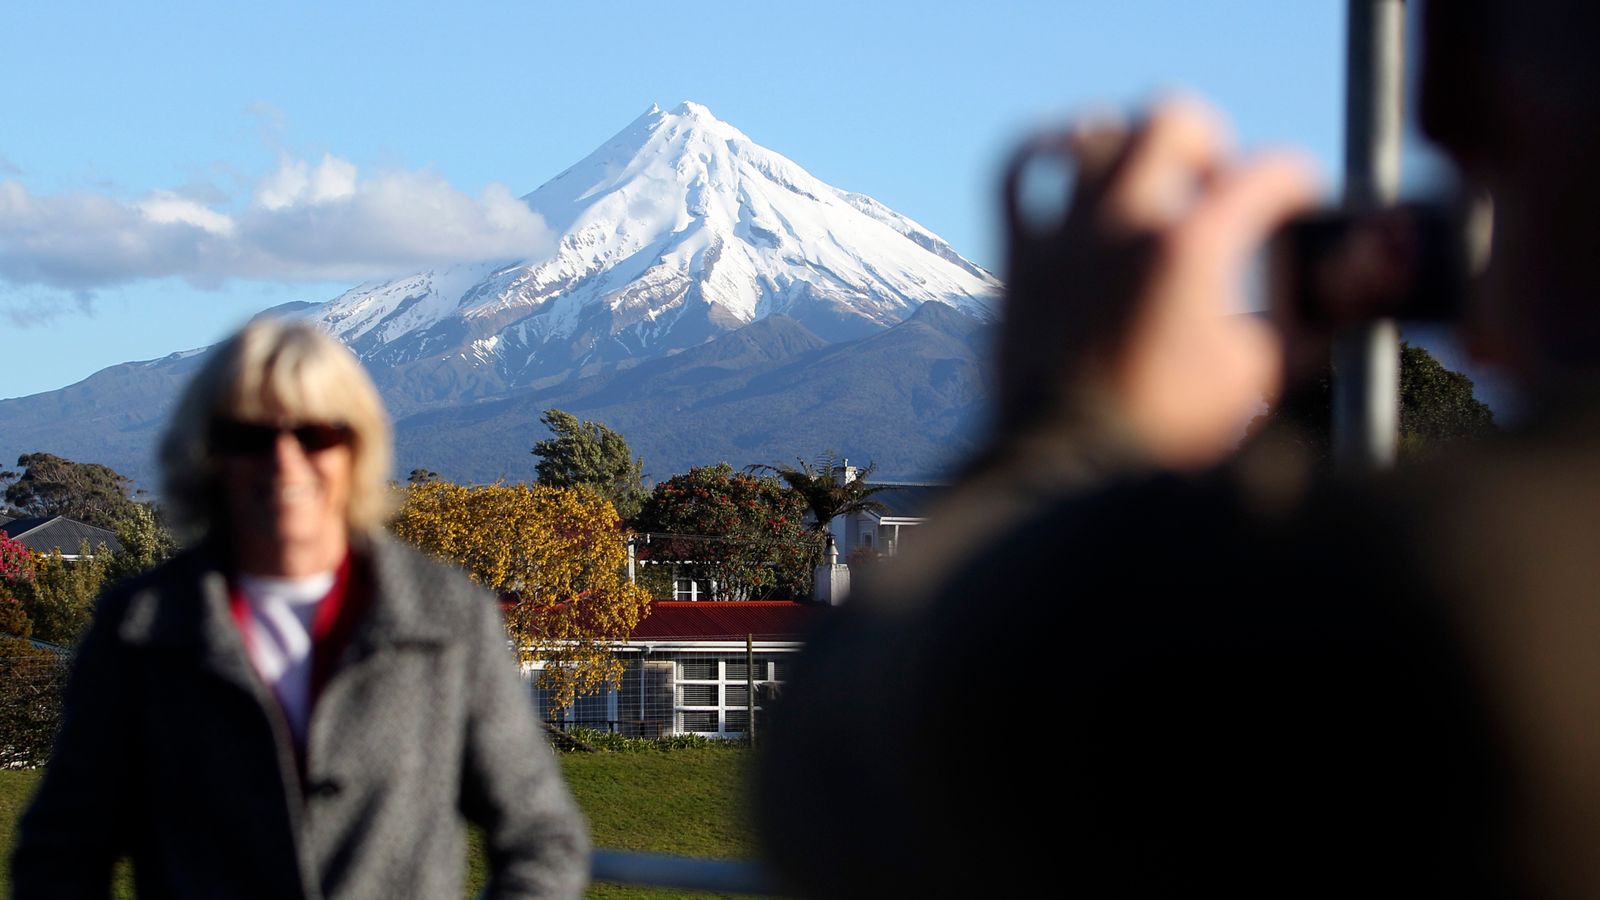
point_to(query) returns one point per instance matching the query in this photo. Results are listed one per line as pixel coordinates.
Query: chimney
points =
(831, 582)
(845, 473)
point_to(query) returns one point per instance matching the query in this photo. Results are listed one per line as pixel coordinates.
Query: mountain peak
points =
(686, 113)
(693, 110)
(677, 229)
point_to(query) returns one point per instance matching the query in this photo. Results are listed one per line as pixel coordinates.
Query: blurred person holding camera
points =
(296, 706)
(1158, 665)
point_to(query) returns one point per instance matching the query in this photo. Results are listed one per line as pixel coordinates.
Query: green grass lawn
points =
(687, 802)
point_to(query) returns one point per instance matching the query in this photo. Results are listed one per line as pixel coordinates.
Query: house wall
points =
(846, 531)
(885, 536)
(646, 687)
(700, 690)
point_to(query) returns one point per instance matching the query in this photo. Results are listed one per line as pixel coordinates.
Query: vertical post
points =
(1366, 358)
(633, 555)
(644, 676)
(750, 687)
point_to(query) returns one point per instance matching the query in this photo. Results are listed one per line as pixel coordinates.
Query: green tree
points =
(60, 597)
(14, 623)
(53, 486)
(1436, 404)
(828, 489)
(145, 544)
(31, 682)
(744, 532)
(1437, 409)
(589, 453)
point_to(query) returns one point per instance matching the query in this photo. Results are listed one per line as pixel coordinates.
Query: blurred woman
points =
(296, 706)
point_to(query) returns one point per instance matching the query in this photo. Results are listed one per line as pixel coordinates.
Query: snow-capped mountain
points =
(677, 229)
(706, 296)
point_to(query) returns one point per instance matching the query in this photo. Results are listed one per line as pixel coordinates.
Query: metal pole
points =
(1366, 358)
(729, 876)
(750, 686)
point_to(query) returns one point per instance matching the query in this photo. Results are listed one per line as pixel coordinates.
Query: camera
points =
(1340, 267)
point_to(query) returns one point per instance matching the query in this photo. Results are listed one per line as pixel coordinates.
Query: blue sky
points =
(194, 112)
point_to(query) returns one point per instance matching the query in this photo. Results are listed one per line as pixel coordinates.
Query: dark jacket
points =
(173, 751)
(1152, 689)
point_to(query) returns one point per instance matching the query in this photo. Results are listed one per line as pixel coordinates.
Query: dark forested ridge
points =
(909, 397)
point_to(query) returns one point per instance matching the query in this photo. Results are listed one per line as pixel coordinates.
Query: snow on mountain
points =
(677, 229)
(706, 295)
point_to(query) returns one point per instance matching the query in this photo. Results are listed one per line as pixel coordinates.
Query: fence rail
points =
(725, 876)
(30, 708)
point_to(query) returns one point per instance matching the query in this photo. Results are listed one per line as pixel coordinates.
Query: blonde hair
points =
(275, 369)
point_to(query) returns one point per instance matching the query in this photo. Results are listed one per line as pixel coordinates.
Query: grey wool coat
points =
(173, 751)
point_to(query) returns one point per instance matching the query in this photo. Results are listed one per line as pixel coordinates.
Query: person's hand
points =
(1132, 298)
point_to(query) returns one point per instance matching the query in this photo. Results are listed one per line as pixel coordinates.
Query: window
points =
(673, 692)
(597, 711)
(693, 589)
(713, 695)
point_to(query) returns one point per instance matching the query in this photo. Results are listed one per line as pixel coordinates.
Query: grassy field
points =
(687, 802)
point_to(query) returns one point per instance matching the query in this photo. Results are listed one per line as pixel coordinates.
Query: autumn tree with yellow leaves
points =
(559, 552)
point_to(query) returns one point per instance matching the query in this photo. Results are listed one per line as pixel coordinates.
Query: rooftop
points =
(763, 620)
(907, 499)
(41, 534)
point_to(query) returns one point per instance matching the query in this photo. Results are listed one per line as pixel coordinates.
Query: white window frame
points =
(765, 674)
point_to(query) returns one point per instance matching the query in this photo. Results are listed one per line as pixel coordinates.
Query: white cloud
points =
(280, 189)
(303, 222)
(295, 182)
(165, 208)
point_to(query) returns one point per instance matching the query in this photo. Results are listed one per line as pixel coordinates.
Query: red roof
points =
(729, 620)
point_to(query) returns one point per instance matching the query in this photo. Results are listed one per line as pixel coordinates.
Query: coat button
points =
(327, 787)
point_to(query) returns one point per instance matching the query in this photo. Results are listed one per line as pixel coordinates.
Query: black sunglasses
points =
(231, 437)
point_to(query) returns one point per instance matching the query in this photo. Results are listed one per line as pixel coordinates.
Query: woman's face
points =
(287, 488)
